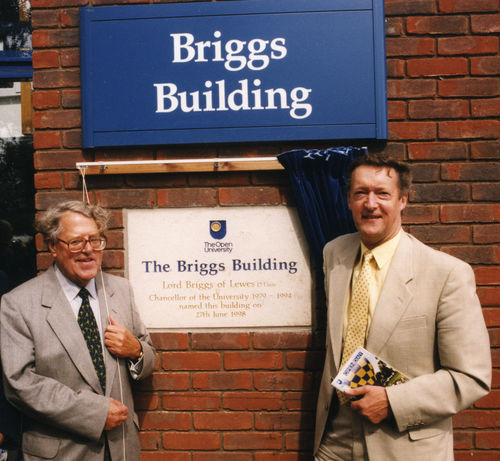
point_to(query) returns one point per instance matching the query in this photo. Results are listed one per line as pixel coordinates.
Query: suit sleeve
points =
(41, 397)
(463, 362)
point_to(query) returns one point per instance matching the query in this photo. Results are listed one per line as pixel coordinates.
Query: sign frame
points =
(103, 125)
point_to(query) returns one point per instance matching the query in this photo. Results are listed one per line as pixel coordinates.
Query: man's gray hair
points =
(49, 222)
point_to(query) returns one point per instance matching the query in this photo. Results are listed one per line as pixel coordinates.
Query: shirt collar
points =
(383, 253)
(70, 288)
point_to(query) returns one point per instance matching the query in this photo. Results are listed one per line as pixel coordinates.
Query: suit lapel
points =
(339, 282)
(106, 297)
(65, 326)
(394, 298)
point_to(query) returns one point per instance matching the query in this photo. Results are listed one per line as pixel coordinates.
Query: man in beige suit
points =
(77, 403)
(423, 318)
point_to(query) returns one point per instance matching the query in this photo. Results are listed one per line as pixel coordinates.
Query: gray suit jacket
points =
(428, 324)
(49, 375)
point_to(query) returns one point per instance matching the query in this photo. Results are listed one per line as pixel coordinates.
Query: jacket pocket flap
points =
(41, 446)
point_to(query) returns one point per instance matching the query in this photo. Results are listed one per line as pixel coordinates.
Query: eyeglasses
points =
(77, 245)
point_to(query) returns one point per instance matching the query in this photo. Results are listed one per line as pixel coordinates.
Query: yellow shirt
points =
(382, 256)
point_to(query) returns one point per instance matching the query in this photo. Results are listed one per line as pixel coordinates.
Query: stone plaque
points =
(218, 267)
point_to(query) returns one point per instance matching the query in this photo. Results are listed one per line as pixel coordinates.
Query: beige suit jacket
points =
(49, 375)
(428, 324)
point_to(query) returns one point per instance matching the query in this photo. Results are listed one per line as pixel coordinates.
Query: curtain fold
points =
(317, 179)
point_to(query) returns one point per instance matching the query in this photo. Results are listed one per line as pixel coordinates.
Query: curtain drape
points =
(317, 179)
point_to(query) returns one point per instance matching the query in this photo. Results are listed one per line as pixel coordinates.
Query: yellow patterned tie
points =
(90, 331)
(358, 315)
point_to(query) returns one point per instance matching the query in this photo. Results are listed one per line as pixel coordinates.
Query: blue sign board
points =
(234, 71)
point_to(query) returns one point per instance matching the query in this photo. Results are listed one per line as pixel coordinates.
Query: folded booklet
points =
(364, 368)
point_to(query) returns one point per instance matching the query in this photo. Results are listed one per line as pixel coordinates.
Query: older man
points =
(414, 307)
(71, 342)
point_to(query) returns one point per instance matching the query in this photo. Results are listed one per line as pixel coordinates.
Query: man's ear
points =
(404, 201)
(51, 246)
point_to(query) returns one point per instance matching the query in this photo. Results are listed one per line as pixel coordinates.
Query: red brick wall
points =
(250, 396)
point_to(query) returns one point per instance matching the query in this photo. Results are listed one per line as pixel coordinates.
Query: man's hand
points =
(372, 404)
(1, 439)
(120, 341)
(117, 414)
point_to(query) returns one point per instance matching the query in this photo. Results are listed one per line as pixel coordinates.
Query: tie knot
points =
(367, 257)
(83, 293)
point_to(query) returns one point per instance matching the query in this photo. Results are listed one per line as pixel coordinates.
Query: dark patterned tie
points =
(88, 325)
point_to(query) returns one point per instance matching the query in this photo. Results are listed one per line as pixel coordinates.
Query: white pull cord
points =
(85, 199)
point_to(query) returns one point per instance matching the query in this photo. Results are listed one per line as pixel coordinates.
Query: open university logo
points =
(218, 229)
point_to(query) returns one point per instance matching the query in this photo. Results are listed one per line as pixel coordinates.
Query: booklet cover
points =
(364, 368)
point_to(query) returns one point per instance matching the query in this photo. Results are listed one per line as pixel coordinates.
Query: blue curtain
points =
(317, 179)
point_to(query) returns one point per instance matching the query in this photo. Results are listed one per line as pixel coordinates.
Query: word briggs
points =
(186, 49)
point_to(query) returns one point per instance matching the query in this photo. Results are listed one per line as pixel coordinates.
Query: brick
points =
(299, 441)
(225, 456)
(409, 7)
(43, 19)
(478, 87)
(485, 150)
(252, 441)
(146, 401)
(114, 239)
(51, 180)
(191, 441)
(435, 109)
(478, 455)
(162, 455)
(478, 171)
(395, 67)
(70, 57)
(289, 421)
(475, 254)
(463, 439)
(188, 360)
(282, 340)
(137, 198)
(485, 107)
(43, 261)
(437, 25)
(467, 45)
(70, 17)
(467, 6)
(222, 381)
(57, 3)
(249, 196)
(470, 213)
(57, 119)
(416, 88)
(488, 440)
(292, 456)
(247, 360)
(233, 421)
(485, 23)
(55, 38)
(437, 234)
(170, 341)
(489, 275)
(410, 46)
(485, 65)
(469, 129)
(301, 401)
(412, 130)
(492, 319)
(46, 139)
(72, 139)
(191, 401)
(284, 381)
(490, 296)
(44, 200)
(486, 192)
(489, 233)
(439, 193)
(304, 360)
(251, 401)
(394, 27)
(46, 99)
(113, 259)
(56, 78)
(45, 59)
(432, 67)
(396, 110)
(187, 197)
(170, 381)
(213, 341)
(437, 151)
(149, 440)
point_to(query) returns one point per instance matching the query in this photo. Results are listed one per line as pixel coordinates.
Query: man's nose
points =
(371, 200)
